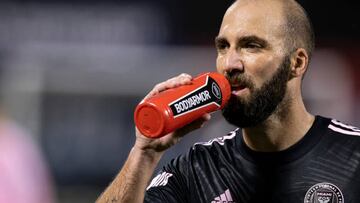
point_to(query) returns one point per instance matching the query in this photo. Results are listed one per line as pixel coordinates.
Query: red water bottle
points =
(174, 108)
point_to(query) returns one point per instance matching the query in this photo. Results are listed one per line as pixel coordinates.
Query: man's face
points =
(251, 54)
(262, 102)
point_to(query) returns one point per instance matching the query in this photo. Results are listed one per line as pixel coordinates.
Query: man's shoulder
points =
(202, 154)
(214, 148)
(341, 136)
(343, 129)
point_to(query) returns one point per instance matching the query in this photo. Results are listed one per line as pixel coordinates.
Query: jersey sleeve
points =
(170, 184)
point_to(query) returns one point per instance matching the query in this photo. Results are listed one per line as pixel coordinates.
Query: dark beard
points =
(263, 101)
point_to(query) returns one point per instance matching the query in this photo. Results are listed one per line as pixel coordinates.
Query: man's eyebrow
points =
(244, 39)
(252, 38)
(220, 39)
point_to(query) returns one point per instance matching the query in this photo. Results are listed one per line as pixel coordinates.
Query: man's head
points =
(263, 48)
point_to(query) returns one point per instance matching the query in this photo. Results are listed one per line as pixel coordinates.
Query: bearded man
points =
(280, 152)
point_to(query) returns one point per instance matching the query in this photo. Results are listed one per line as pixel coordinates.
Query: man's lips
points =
(235, 89)
(237, 86)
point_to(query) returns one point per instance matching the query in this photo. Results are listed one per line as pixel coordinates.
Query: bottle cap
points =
(150, 120)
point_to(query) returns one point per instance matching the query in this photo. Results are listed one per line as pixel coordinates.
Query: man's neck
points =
(281, 130)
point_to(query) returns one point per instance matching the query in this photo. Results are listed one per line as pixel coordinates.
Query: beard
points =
(263, 101)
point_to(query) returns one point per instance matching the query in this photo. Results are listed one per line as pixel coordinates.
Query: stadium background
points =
(71, 73)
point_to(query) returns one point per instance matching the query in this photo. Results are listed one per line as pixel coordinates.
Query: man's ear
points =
(299, 63)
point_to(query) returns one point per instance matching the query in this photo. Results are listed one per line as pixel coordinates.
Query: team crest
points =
(324, 193)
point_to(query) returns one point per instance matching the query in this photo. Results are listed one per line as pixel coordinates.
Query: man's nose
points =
(233, 61)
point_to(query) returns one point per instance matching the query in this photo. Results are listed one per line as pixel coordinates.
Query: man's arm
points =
(130, 184)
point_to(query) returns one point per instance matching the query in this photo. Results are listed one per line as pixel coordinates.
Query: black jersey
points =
(323, 167)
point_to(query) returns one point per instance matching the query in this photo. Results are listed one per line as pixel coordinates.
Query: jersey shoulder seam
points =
(342, 128)
(219, 140)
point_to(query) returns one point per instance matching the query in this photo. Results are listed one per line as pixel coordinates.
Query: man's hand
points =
(159, 145)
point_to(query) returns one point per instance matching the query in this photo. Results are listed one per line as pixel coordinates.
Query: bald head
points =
(294, 23)
(298, 29)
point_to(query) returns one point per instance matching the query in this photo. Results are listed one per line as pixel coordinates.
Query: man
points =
(281, 154)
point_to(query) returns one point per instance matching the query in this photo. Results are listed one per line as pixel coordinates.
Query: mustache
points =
(239, 79)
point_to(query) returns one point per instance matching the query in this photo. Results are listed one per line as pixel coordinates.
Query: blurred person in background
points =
(280, 152)
(24, 176)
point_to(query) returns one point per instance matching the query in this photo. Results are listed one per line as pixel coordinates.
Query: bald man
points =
(280, 152)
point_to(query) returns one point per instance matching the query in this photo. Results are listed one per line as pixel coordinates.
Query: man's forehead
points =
(256, 17)
(255, 9)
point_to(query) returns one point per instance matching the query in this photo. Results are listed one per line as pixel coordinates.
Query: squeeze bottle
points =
(176, 107)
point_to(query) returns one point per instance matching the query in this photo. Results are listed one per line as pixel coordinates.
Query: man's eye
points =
(253, 46)
(221, 46)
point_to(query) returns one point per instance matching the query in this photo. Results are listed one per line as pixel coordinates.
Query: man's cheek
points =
(220, 64)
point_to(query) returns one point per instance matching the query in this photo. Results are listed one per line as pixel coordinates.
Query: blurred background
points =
(72, 72)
